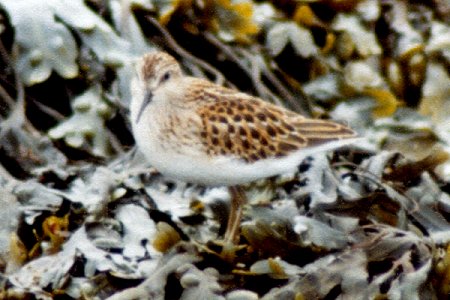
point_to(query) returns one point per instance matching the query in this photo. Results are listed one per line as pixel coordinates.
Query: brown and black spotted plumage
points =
(254, 130)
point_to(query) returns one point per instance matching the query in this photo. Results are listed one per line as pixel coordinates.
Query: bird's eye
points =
(165, 77)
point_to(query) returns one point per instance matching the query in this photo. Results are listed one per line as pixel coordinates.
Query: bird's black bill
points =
(147, 99)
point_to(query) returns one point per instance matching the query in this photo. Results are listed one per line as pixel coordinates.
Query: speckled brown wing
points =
(240, 125)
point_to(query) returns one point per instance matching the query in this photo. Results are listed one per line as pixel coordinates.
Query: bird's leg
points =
(238, 200)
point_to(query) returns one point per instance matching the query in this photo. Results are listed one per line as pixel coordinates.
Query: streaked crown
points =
(153, 65)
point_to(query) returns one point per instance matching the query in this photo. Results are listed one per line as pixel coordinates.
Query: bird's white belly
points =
(190, 165)
(200, 168)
